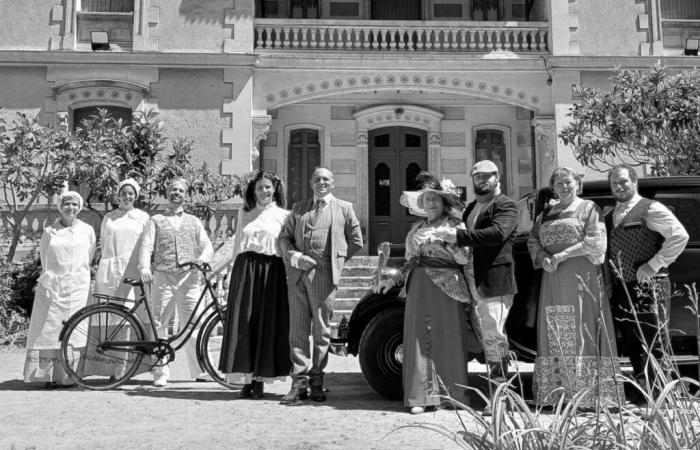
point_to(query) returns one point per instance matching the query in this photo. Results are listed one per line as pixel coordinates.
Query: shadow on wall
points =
(211, 11)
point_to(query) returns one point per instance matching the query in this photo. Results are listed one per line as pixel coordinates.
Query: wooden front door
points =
(396, 156)
(304, 155)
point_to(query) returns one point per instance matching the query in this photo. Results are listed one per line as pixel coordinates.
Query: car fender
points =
(367, 308)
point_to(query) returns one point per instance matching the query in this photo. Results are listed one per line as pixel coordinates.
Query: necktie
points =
(318, 207)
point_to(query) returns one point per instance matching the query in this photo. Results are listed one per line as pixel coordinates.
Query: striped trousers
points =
(311, 301)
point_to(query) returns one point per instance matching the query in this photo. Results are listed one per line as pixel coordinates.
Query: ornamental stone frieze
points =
(286, 95)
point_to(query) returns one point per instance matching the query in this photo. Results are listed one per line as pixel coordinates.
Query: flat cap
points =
(484, 166)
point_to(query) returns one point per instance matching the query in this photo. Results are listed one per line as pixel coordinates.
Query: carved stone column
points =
(362, 177)
(546, 143)
(434, 151)
(261, 126)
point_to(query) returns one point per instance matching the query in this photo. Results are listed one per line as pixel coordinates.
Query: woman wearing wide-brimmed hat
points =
(437, 334)
(66, 248)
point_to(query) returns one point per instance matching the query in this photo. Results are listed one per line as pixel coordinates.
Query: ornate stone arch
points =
(73, 95)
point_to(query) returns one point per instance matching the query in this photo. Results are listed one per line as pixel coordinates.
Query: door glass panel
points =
(412, 171)
(382, 140)
(413, 141)
(382, 190)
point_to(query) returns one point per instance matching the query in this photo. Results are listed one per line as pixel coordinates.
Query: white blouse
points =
(259, 229)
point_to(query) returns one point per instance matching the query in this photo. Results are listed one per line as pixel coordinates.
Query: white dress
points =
(120, 238)
(62, 289)
(120, 235)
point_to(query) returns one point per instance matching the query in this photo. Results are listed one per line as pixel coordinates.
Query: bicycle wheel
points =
(85, 353)
(209, 344)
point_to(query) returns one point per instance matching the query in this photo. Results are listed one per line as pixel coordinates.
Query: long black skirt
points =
(256, 338)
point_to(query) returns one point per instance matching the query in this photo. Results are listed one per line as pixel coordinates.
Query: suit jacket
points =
(346, 237)
(492, 245)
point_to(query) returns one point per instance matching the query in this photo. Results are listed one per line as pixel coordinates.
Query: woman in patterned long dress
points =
(120, 238)
(575, 340)
(66, 248)
(255, 346)
(437, 334)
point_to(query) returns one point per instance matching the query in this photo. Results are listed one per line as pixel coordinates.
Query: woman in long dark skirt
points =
(255, 348)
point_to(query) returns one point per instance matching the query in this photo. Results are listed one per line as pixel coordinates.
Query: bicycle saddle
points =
(133, 282)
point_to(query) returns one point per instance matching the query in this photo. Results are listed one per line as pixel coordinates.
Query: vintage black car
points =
(374, 331)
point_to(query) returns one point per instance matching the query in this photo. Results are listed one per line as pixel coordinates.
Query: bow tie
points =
(173, 212)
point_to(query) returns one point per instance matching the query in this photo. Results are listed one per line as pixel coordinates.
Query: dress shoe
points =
(317, 394)
(246, 391)
(161, 381)
(258, 390)
(294, 396)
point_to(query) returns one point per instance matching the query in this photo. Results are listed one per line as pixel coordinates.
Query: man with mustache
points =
(644, 238)
(491, 221)
(174, 238)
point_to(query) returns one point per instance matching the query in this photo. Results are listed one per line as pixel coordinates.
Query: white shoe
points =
(417, 410)
(161, 381)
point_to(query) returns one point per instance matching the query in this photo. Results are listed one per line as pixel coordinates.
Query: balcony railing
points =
(401, 36)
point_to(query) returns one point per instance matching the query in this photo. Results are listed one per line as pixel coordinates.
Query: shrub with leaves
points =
(13, 323)
(647, 117)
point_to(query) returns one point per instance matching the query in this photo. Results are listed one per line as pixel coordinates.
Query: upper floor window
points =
(118, 6)
(114, 17)
(680, 20)
(480, 10)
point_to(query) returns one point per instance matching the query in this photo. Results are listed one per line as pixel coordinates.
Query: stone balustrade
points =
(401, 36)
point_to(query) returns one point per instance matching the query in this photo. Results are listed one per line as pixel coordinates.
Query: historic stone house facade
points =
(377, 90)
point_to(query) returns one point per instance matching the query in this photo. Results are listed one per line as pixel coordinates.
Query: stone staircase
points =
(355, 281)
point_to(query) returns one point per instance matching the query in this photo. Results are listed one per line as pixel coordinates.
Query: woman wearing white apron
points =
(66, 248)
(120, 238)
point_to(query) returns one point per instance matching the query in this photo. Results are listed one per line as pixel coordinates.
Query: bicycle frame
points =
(185, 333)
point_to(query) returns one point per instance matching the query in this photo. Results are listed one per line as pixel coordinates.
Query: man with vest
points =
(169, 240)
(319, 236)
(644, 238)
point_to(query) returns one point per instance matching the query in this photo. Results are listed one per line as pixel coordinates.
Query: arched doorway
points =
(396, 155)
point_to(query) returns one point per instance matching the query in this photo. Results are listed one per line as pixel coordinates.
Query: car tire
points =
(380, 344)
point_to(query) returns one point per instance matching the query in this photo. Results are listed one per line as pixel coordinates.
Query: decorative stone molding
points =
(261, 126)
(545, 141)
(362, 205)
(457, 85)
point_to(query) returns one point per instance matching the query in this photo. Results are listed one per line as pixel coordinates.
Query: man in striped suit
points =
(320, 235)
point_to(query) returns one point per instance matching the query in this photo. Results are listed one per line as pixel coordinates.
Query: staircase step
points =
(362, 261)
(345, 304)
(338, 315)
(358, 292)
(358, 271)
(356, 281)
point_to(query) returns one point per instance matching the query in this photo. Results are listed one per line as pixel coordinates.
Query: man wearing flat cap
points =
(491, 221)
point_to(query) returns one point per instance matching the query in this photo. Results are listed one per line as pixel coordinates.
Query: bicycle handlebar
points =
(204, 267)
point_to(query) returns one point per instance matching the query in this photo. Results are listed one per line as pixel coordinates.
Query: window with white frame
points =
(114, 17)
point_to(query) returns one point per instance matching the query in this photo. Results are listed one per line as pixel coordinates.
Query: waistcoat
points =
(631, 242)
(317, 236)
(173, 246)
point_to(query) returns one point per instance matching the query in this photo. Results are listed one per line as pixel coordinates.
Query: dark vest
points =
(631, 243)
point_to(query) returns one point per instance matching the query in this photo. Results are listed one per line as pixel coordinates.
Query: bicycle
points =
(116, 334)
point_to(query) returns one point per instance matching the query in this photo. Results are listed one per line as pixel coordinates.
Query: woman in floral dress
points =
(575, 340)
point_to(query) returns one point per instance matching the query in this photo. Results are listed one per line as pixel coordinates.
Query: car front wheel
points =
(381, 353)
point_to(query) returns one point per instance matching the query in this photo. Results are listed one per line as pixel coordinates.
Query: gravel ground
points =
(186, 414)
